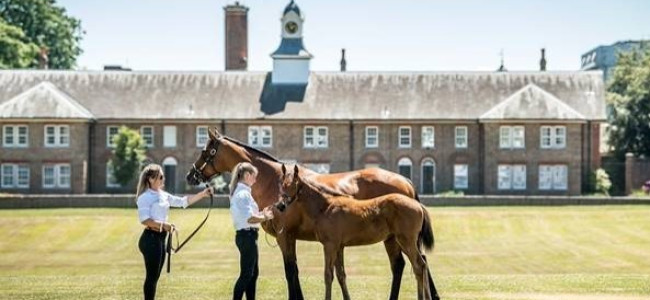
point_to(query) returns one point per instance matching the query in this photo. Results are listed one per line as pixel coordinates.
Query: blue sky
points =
(379, 35)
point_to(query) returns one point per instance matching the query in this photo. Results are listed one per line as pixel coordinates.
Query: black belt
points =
(249, 229)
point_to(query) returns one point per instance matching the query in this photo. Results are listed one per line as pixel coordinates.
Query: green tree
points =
(128, 155)
(48, 26)
(628, 95)
(16, 51)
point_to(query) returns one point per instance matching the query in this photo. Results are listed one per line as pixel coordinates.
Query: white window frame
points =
(58, 176)
(264, 136)
(109, 136)
(428, 142)
(202, 138)
(461, 171)
(370, 137)
(318, 140)
(15, 135)
(111, 182)
(15, 176)
(461, 140)
(401, 136)
(556, 140)
(57, 136)
(170, 136)
(151, 136)
(507, 175)
(321, 168)
(512, 137)
(557, 177)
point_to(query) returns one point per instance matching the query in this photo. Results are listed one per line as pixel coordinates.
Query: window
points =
(405, 167)
(553, 137)
(147, 135)
(511, 137)
(57, 136)
(372, 136)
(169, 136)
(461, 179)
(260, 136)
(14, 176)
(428, 137)
(56, 176)
(511, 177)
(201, 136)
(111, 131)
(553, 177)
(461, 136)
(111, 182)
(14, 136)
(319, 168)
(315, 137)
(404, 137)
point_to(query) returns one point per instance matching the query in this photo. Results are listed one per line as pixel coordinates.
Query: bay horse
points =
(340, 220)
(222, 153)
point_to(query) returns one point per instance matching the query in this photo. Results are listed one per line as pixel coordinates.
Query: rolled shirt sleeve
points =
(176, 201)
(144, 209)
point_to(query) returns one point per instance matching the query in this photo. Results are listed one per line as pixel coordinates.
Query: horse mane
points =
(252, 149)
(321, 188)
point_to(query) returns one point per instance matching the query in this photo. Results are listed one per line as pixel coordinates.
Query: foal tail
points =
(426, 233)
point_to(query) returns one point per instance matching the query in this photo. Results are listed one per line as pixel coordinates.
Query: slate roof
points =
(43, 101)
(292, 6)
(328, 96)
(291, 47)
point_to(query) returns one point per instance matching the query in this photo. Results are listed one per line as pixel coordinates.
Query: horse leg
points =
(288, 248)
(432, 286)
(410, 248)
(330, 258)
(340, 274)
(396, 265)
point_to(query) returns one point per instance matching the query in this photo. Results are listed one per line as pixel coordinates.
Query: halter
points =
(198, 172)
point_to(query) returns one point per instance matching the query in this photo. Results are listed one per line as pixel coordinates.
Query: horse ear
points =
(212, 135)
(295, 170)
(284, 170)
(216, 132)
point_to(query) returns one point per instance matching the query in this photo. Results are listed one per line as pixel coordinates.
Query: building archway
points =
(428, 179)
(169, 168)
(405, 167)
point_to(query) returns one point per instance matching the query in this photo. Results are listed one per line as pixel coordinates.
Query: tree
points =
(47, 26)
(16, 51)
(629, 97)
(128, 155)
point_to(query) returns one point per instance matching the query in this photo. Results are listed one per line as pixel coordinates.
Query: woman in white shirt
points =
(153, 208)
(246, 218)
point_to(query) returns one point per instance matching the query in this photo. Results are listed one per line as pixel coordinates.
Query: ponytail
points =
(149, 171)
(238, 174)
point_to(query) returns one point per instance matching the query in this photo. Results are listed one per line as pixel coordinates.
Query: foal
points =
(341, 221)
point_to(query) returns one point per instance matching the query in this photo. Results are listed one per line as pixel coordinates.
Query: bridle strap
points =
(178, 248)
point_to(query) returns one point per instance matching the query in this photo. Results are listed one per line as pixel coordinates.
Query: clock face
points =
(291, 27)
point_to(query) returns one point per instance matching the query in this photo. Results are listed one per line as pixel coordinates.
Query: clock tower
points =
(291, 59)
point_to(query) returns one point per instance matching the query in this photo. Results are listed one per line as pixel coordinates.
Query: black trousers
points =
(152, 246)
(246, 242)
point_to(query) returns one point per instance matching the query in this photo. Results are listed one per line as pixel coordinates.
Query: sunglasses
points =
(161, 177)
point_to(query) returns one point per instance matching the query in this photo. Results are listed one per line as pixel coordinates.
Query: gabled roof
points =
(211, 96)
(43, 100)
(532, 102)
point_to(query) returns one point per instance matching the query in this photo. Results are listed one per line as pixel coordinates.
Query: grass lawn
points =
(571, 252)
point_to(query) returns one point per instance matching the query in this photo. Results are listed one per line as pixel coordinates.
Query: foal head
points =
(290, 184)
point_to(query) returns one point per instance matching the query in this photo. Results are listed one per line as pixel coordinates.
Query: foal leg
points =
(288, 247)
(396, 265)
(330, 251)
(432, 286)
(340, 274)
(410, 248)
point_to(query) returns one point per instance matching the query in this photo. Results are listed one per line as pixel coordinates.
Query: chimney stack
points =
(43, 60)
(542, 62)
(236, 52)
(343, 62)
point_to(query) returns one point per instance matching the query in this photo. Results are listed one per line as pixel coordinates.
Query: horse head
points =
(208, 164)
(290, 184)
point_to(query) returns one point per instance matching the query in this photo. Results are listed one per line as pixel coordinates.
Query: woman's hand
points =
(268, 213)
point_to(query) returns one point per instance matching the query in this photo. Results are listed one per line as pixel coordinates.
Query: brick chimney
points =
(236, 37)
(542, 62)
(344, 63)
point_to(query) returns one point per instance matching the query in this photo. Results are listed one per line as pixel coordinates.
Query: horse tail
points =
(426, 233)
(415, 191)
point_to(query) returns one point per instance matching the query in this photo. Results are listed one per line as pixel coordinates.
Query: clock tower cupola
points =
(291, 59)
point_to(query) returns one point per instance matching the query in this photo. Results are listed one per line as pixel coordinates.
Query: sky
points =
(378, 35)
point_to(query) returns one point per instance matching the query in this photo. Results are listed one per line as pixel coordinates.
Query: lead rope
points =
(178, 247)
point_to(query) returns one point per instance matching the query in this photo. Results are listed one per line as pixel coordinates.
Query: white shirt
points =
(155, 205)
(242, 207)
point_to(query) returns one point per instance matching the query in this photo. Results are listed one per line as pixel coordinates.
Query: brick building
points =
(478, 132)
